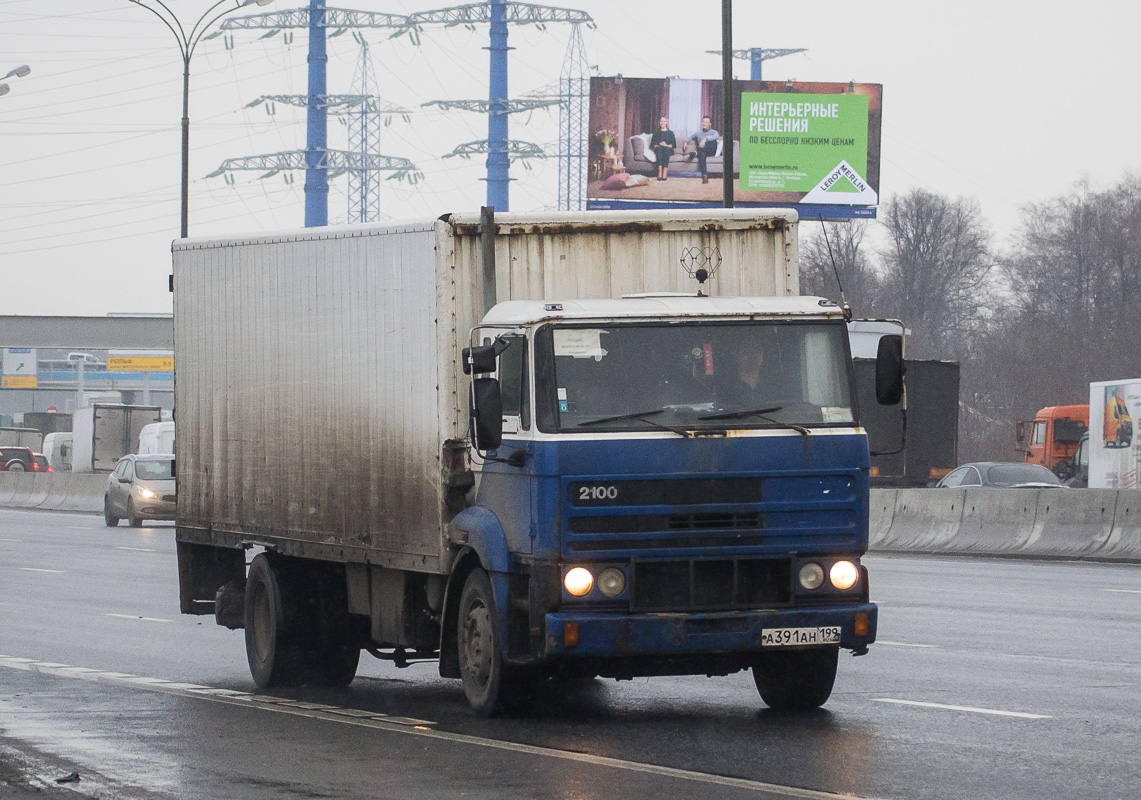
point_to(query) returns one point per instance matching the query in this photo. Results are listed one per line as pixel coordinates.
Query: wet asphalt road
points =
(1001, 679)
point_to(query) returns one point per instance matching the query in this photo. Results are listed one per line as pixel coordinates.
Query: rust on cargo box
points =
(635, 226)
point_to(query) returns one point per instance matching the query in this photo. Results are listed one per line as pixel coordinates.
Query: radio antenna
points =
(843, 300)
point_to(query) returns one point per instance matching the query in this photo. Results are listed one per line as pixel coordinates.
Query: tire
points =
(16, 466)
(109, 518)
(271, 647)
(796, 680)
(334, 665)
(478, 638)
(132, 520)
(335, 652)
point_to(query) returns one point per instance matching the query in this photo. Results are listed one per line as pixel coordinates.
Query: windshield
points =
(152, 470)
(692, 376)
(1014, 474)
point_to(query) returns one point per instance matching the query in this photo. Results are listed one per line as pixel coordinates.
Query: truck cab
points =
(1053, 437)
(679, 485)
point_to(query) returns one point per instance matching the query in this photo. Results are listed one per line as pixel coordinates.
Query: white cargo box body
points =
(1115, 449)
(105, 432)
(318, 371)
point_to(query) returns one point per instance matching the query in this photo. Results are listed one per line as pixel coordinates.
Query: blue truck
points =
(533, 448)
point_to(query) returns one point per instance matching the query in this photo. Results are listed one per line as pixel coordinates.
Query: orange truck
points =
(1054, 435)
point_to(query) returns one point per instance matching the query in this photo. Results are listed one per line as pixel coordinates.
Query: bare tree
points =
(937, 268)
(840, 252)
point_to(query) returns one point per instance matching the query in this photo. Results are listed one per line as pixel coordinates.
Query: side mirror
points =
(889, 370)
(486, 414)
(1019, 431)
(481, 360)
(124, 480)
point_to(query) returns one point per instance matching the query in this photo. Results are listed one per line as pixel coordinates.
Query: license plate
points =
(796, 637)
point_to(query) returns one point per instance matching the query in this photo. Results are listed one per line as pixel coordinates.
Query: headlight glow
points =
(844, 575)
(578, 582)
(147, 493)
(812, 575)
(611, 581)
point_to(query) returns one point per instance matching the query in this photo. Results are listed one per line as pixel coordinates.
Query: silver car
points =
(140, 487)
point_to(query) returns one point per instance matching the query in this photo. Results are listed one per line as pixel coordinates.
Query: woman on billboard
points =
(663, 143)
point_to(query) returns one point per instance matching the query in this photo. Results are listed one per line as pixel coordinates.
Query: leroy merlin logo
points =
(842, 186)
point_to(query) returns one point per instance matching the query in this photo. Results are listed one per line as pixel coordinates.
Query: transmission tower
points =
(498, 14)
(500, 149)
(574, 139)
(757, 55)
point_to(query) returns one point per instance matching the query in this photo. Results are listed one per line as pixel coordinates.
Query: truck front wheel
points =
(273, 655)
(796, 679)
(479, 639)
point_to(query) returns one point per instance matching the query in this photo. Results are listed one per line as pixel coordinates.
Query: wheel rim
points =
(16, 467)
(263, 622)
(477, 649)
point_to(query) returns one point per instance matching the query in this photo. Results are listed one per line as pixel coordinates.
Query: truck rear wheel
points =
(796, 679)
(271, 649)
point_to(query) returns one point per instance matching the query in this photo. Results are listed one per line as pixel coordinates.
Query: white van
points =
(157, 437)
(57, 448)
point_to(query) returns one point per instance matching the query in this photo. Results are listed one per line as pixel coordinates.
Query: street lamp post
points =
(21, 71)
(187, 41)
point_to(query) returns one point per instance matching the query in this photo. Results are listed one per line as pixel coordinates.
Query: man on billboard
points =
(705, 145)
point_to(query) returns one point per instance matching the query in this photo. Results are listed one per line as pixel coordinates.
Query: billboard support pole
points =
(727, 97)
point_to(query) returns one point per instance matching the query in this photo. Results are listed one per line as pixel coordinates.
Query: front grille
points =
(168, 498)
(643, 523)
(697, 585)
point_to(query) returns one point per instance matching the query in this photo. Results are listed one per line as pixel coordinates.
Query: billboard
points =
(813, 146)
(1114, 452)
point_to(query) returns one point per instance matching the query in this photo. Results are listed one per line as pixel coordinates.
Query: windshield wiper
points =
(756, 412)
(641, 417)
(760, 412)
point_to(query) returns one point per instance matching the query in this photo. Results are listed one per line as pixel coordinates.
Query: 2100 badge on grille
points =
(798, 637)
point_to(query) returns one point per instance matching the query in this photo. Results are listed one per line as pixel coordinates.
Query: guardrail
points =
(53, 491)
(1095, 524)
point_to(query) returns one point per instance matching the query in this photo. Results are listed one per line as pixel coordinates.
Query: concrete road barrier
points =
(924, 519)
(1124, 541)
(995, 521)
(56, 491)
(22, 489)
(881, 512)
(85, 493)
(1074, 522)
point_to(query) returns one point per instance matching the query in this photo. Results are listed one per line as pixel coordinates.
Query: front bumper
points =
(602, 634)
(155, 509)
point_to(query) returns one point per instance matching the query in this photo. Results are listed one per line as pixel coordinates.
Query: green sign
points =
(813, 144)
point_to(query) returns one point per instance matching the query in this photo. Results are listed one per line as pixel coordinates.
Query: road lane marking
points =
(137, 549)
(35, 569)
(78, 527)
(1123, 591)
(904, 644)
(416, 727)
(133, 616)
(971, 709)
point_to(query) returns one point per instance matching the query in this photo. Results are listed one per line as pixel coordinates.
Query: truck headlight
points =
(844, 575)
(812, 575)
(578, 581)
(611, 581)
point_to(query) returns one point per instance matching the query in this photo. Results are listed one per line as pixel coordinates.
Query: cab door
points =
(505, 488)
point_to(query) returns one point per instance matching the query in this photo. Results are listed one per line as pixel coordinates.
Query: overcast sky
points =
(1008, 102)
